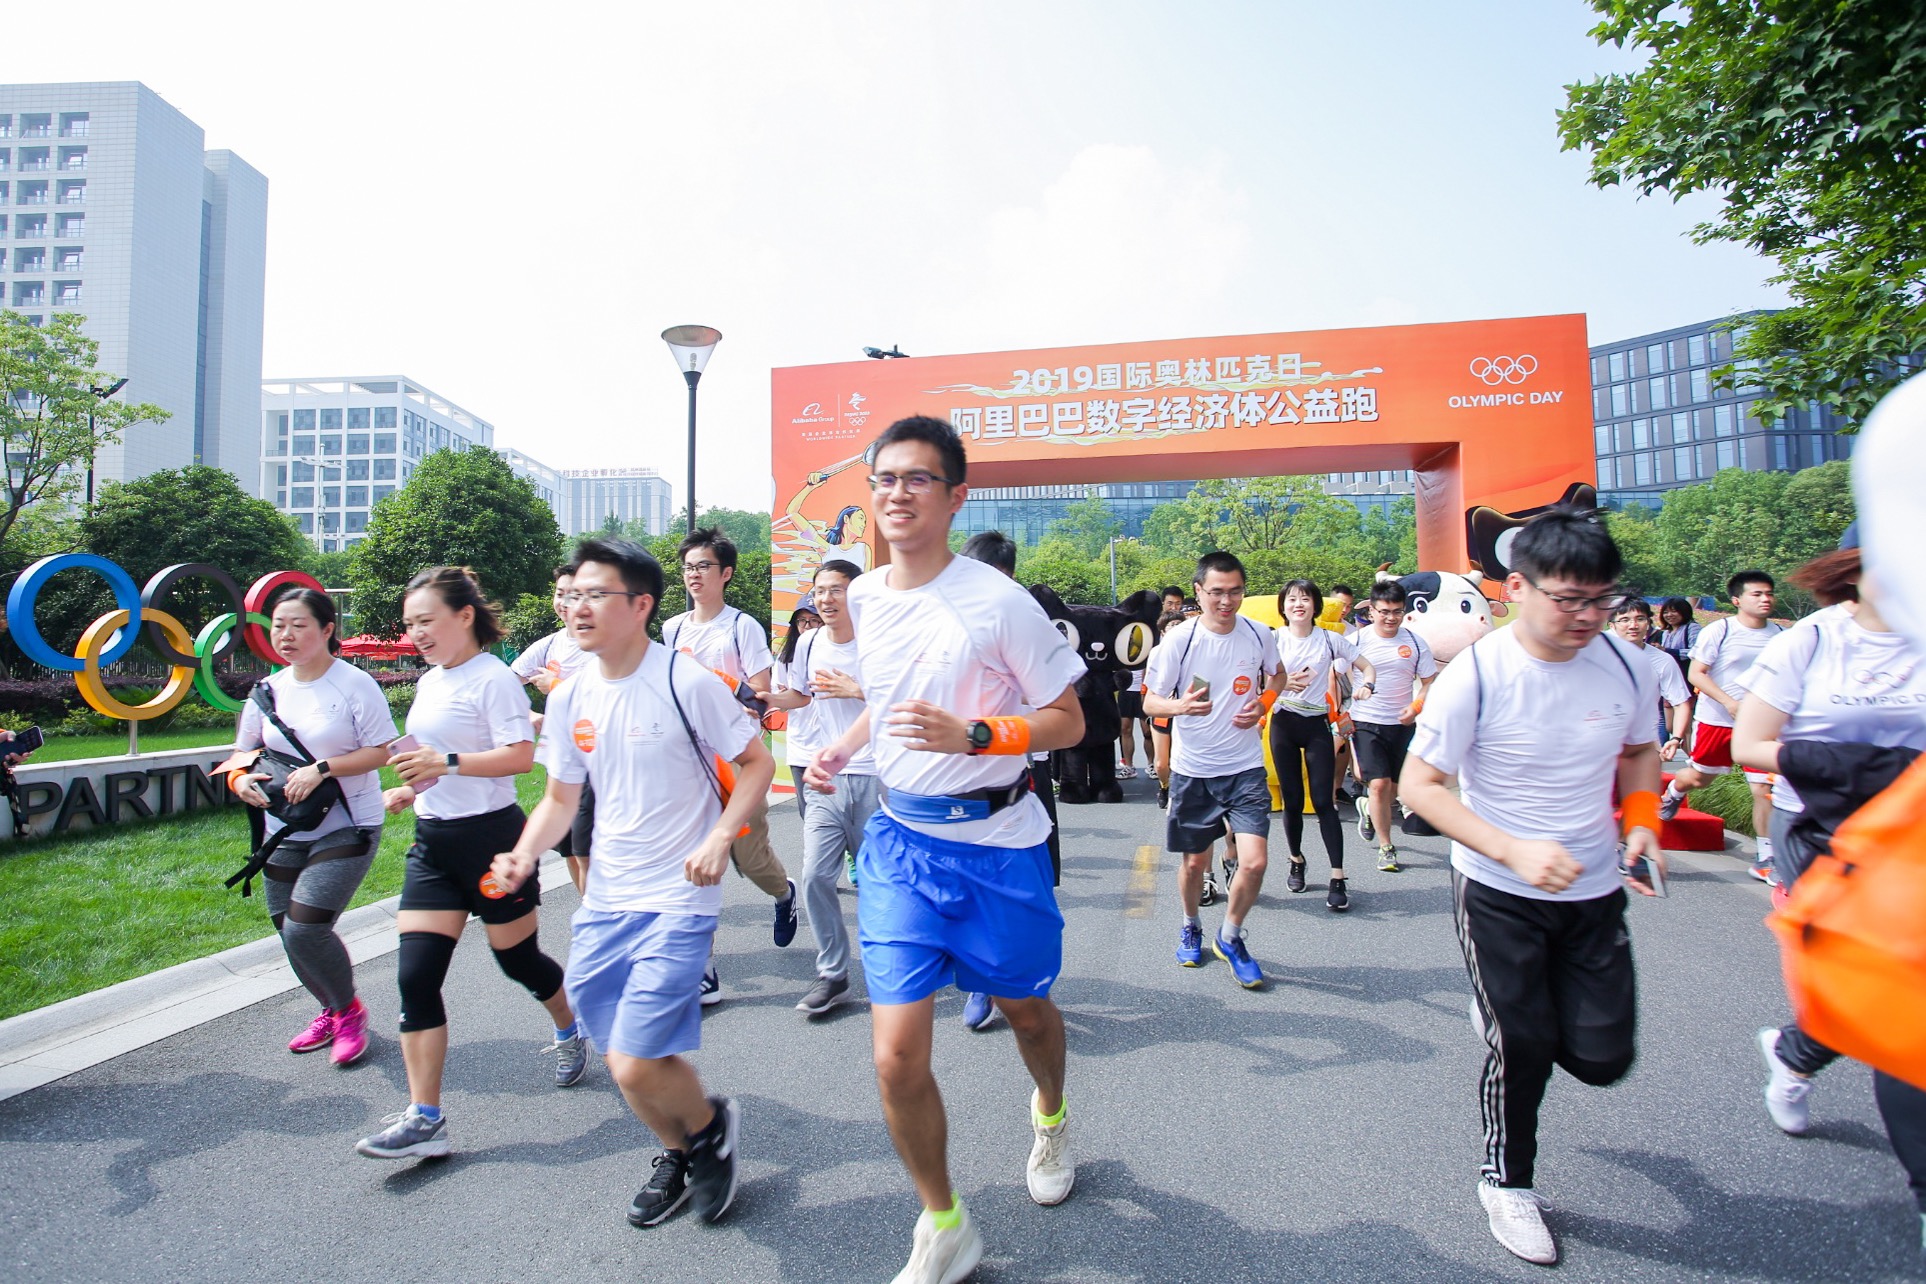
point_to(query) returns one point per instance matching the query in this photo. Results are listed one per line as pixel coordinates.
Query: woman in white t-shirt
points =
(340, 715)
(1301, 728)
(471, 736)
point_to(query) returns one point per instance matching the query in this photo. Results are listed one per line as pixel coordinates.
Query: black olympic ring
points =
(163, 583)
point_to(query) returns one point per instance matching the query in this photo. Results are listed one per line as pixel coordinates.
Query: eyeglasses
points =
(916, 483)
(1607, 602)
(594, 597)
(829, 592)
(1387, 612)
(697, 568)
(1222, 595)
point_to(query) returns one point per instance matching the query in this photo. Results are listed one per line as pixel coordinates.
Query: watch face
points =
(981, 735)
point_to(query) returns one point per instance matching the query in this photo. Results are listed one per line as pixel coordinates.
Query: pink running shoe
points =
(317, 1036)
(350, 1035)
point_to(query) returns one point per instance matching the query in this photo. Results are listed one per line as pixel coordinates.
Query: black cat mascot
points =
(1109, 639)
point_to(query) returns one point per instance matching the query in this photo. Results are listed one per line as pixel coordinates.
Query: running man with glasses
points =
(1386, 719)
(722, 638)
(1540, 903)
(965, 675)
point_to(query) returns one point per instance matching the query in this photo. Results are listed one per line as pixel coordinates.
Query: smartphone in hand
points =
(24, 742)
(1643, 871)
(1200, 687)
(408, 744)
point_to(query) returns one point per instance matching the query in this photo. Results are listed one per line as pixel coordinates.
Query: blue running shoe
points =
(978, 1011)
(1190, 946)
(786, 917)
(1242, 965)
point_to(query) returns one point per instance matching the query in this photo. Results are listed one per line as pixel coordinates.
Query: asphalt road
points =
(1324, 1128)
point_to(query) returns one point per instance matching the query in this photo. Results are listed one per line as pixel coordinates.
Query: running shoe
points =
(942, 1256)
(1366, 830)
(1388, 860)
(1163, 797)
(1669, 804)
(786, 917)
(1190, 945)
(1295, 878)
(1242, 965)
(711, 987)
(1126, 772)
(571, 1059)
(1337, 899)
(1761, 870)
(849, 867)
(668, 1190)
(713, 1169)
(1230, 872)
(1208, 896)
(1785, 1092)
(350, 1035)
(978, 1011)
(824, 995)
(318, 1035)
(1518, 1223)
(412, 1135)
(1050, 1173)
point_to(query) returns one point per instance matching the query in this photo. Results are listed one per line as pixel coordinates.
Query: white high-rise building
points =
(111, 207)
(546, 481)
(630, 494)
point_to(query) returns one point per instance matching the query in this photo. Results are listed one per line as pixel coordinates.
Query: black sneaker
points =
(712, 1162)
(1295, 879)
(785, 931)
(1163, 797)
(824, 995)
(1208, 896)
(1337, 898)
(1230, 872)
(668, 1190)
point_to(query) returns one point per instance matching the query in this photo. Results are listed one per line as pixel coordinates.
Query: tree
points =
(1808, 118)
(747, 590)
(1084, 581)
(1635, 531)
(1088, 526)
(1818, 508)
(745, 529)
(460, 509)
(49, 388)
(1710, 530)
(332, 569)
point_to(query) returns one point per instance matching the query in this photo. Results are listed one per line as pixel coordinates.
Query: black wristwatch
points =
(981, 736)
(453, 763)
(323, 767)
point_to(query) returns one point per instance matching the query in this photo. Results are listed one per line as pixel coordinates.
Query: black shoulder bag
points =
(278, 766)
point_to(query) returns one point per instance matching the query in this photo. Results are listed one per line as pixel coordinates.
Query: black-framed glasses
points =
(1607, 602)
(697, 568)
(916, 482)
(595, 597)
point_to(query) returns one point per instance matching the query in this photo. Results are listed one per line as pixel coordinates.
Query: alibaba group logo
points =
(1497, 370)
(585, 735)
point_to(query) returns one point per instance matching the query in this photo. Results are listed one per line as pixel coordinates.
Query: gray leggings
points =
(308, 883)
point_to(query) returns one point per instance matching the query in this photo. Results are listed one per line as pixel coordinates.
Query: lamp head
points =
(691, 346)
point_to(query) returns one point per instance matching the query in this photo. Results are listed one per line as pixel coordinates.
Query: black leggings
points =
(1310, 734)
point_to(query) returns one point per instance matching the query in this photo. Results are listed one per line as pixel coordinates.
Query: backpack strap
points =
(715, 779)
(263, 698)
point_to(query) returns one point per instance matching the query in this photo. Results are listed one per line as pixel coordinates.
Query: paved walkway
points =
(1322, 1129)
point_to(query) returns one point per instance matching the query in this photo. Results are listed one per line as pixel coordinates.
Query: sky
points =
(510, 203)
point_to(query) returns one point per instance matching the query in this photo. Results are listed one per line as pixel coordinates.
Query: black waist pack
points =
(277, 767)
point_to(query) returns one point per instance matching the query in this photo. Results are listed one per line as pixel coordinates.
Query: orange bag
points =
(1852, 936)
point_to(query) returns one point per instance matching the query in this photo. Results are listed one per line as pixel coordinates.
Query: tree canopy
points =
(1808, 119)
(460, 509)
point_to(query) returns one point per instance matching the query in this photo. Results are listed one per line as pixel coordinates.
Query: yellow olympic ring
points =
(180, 677)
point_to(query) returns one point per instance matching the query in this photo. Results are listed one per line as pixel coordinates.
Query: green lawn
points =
(67, 748)
(87, 909)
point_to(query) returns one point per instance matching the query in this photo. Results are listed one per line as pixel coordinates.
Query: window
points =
(1621, 404)
(280, 499)
(1722, 421)
(1618, 366)
(29, 294)
(1599, 375)
(302, 445)
(1682, 463)
(330, 497)
(6, 125)
(74, 124)
(30, 193)
(384, 469)
(1682, 426)
(330, 419)
(330, 441)
(357, 497)
(70, 224)
(382, 492)
(30, 260)
(280, 474)
(1722, 345)
(384, 443)
(1779, 453)
(1644, 469)
(1601, 439)
(357, 417)
(357, 470)
(301, 497)
(1641, 434)
(34, 160)
(357, 443)
(1601, 402)
(303, 472)
(330, 472)
(1727, 454)
(305, 521)
(304, 422)
(1637, 357)
(1701, 385)
(1681, 356)
(30, 227)
(1695, 347)
(330, 524)
(73, 191)
(357, 523)
(66, 293)
(384, 416)
(68, 258)
(1604, 474)
(73, 158)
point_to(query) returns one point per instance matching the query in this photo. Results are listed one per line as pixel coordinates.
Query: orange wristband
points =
(1269, 698)
(1641, 810)
(1008, 736)
(234, 779)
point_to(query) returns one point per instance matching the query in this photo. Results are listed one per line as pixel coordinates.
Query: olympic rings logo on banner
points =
(1497, 370)
(113, 635)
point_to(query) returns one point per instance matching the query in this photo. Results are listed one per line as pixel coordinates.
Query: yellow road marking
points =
(1143, 883)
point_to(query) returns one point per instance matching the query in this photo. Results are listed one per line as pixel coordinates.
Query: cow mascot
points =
(1109, 640)
(1447, 610)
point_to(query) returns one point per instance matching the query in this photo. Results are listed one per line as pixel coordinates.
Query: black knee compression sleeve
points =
(525, 963)
(423, 967)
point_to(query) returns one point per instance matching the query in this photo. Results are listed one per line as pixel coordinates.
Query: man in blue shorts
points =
(651, 728)
(955, 868)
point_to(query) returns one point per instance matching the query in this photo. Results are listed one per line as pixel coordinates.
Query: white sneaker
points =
(1517, 1223)
(942, 1256)
(1785, 1092)
(1050, 1172)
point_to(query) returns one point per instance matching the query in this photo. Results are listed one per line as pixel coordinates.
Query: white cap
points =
(1889, 487)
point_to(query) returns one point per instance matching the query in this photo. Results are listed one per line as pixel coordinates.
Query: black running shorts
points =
(448, 867)
(1380, 747)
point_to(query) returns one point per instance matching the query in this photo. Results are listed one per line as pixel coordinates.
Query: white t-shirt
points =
(341, 711)
(1400, 660)
(1542, 759)
(1843, 684)
(824, 719)
(1729, 650)
(732, 642)
(1235, 664)
(655, 799)
(557, 653)
(1321, 652)
(472, 708)
(975, 643)
(1673, 688)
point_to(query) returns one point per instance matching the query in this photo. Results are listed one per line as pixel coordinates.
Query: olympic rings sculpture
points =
(1496, 370)
(113, 635)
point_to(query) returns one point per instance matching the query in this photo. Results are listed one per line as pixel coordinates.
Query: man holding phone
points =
(1214, 677)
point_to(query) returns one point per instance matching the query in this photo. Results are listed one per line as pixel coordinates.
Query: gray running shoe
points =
(1669, 804)
(571, 1060)
(412, 1136)
(1388, 860)
(824, 995)
(1366, 830)
(1786, 1093)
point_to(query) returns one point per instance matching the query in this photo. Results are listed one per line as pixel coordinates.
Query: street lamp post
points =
(692, 345)
(100, 395)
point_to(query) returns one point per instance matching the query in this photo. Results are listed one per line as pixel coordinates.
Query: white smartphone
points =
(408, 744)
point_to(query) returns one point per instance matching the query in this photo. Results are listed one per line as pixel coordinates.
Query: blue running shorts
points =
(933, 912)
(635, 979)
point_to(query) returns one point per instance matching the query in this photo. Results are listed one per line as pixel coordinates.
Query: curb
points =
(50, 1043)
